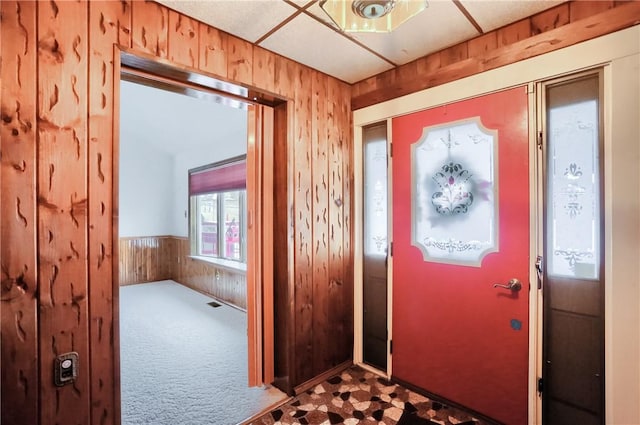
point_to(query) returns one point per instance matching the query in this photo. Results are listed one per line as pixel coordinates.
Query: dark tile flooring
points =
(357, 396)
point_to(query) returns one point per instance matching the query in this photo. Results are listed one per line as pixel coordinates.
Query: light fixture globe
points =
(372, 9)
(371, 15)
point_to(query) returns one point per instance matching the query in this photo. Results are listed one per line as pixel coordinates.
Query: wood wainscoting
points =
(221, 283)
(146, 259)
(152, 258)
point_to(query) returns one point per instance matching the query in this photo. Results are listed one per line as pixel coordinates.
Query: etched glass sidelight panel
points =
(454, 201)
(573, 182)
(375, 198)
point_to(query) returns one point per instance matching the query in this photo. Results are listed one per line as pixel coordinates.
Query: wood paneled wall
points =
(153, 258)
(146, 259)
(561, 26)
(223, 284)
(57, 252)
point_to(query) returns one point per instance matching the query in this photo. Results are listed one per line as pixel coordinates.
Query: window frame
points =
(195, 225)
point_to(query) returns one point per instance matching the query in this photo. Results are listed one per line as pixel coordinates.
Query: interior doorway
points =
(259, 181)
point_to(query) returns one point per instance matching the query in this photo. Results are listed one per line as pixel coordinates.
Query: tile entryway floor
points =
(357, 396)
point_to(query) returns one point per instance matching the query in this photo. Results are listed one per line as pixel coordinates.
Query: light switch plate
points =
(65, 368)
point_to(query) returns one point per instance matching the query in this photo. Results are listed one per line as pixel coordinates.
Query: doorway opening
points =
(251, 293)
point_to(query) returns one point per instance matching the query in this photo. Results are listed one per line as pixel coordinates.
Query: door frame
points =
(618, 53)
(358, 250)
(260, 149)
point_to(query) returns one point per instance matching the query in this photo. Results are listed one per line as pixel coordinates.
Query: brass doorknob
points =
(514, 285)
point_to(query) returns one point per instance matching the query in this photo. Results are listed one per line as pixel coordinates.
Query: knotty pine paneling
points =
(303, 239)
(221, 283)
(320, 224)
(264, 69)
(150, 28)
(57, 259)
(153, 258)
(213, 51)
(561, 26)
(285, 72)
(183, 40)
(146, 259)
(62, 205)
(514, 32)
(109, 24)
(340, 210)
(239, 60)
(584, 8)
(18, 224)
(550, 19)
(283, 288)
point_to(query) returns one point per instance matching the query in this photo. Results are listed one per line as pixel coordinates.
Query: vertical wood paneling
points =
(514, 32)
(483, 44)
(62, 206)
(320, 208)
(550, 19)
(336, 202)
(72, 121)
(345, 325)
(303, 242)
(183, 39)
(239, 60)
(213, 50)
(145, 259)
(223, 284)
(454, 54)
(150, 22)
(109, 24)
(585, 8)
(18, 264)
(285, 76)
(264, 69)
(282, 291)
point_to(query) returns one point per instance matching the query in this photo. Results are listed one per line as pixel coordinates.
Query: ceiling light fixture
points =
(371, 15)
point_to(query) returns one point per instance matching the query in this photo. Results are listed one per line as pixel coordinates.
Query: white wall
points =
(184, 161)
(162, 135)
(145, 203)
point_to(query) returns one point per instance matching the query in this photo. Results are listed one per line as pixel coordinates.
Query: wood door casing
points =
(454, 334)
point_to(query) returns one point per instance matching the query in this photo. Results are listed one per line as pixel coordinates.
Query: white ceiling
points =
(301, 31)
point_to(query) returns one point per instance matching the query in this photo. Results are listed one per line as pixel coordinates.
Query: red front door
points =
(455, 335)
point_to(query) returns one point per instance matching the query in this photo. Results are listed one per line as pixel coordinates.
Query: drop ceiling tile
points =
(317, 11)
(439, 26)
(311, 43)
(492, 14)
(247, 19)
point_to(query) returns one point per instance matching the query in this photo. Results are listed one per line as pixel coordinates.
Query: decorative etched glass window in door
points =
(454, 212)
(573, 201)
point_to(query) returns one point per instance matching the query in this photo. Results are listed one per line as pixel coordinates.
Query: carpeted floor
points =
(357, 396)
(184, 362)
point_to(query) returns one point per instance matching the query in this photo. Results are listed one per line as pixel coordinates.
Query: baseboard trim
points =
(444, 401)
(322, 377)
